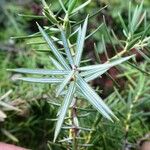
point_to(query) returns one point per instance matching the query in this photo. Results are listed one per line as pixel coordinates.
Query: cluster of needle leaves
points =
(132, 108)
(69, 76)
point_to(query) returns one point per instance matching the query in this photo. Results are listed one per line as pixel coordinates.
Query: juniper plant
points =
(70, 77)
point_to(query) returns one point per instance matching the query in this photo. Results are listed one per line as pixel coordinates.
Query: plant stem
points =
(93, 127)
(129, 114)
(74, 124)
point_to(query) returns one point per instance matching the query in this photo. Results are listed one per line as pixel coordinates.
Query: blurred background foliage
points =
(31, 127)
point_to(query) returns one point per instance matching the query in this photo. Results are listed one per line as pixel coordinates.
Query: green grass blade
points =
(67, 101)
(80, 42)
(9, 135)
(104, 48)
(96, 52)
(74, 33)
(147, 29)
(129, 12)
(81, 6)
(141, 19)
(136, 18)
(62, 6)
(91, 34)
(36, 35)
(144, 55)
(53, 48)
(138, 68)
(31, 16)
(109, 36)
(90, 16)
(117, 40)
(123, 24)
(72, 4)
